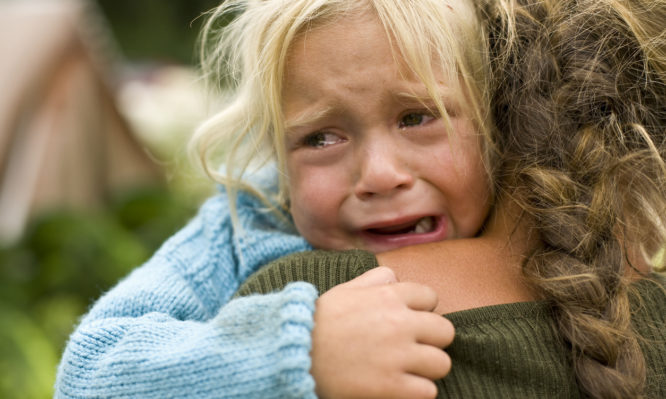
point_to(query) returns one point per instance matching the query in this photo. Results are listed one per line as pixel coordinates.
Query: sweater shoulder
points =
(514, 350)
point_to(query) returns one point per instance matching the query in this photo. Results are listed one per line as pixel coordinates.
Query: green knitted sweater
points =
(502, 351)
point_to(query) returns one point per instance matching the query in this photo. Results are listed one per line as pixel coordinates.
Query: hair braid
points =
(579, 107)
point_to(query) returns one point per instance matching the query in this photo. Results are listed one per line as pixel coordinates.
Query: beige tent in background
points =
(62, 140)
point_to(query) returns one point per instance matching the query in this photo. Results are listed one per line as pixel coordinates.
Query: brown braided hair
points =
(580, 106)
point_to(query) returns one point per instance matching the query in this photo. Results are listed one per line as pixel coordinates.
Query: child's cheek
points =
(316, 197)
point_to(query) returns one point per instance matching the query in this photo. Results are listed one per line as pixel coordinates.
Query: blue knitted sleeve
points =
(168, 330)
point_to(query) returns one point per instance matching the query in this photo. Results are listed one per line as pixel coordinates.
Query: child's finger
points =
(417, 296)
(434, 330)
(415, 387)
(377, 276)
(429, 362)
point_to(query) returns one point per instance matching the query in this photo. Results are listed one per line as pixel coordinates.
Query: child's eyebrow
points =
(450, 99)
(422, 96)
(411, 97)
(308, 118)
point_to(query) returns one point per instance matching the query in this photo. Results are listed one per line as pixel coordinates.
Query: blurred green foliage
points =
(69, 258)
(65, 261)
(157, 30)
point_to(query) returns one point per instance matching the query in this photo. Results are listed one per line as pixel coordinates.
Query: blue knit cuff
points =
(295, 339)
(271, 337)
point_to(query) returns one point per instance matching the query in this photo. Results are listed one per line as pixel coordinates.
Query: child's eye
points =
(321, 139)
(414, 119)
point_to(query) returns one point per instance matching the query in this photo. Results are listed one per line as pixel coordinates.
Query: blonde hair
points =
(245, 45)
(580, 101)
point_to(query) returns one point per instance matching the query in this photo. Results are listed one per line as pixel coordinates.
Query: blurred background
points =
(98, 101)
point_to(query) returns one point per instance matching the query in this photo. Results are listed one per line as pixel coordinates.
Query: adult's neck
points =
(474, 272)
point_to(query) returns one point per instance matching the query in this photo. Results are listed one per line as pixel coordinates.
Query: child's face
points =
(369, 166)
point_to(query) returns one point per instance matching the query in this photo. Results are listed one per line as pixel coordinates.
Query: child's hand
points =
(377, 338)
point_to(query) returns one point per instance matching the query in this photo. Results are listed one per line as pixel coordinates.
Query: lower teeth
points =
(424, 225)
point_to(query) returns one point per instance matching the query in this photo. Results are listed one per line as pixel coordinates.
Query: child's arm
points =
(165, 330)
(373, 337)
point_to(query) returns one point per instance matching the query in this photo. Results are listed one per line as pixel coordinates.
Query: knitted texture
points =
(168, 330)
(324, 269)
(513, 350)
(502, 351)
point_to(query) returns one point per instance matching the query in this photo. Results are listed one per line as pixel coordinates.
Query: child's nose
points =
(382, 172)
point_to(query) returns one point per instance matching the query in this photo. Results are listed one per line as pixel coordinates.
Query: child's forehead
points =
(354, 28)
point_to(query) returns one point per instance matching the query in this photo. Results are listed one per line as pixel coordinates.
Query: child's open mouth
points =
(416, 231)
(420, 226)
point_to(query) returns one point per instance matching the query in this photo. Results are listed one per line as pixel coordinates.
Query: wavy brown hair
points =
(580, 104)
